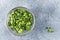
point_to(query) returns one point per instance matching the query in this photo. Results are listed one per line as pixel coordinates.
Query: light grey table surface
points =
(47, 13)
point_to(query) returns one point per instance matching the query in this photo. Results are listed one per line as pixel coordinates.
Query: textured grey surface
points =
(47, 13)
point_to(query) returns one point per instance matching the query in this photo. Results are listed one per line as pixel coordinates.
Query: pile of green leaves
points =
(20, 20)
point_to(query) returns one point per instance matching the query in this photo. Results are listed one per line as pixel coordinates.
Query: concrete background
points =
(47, 13)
